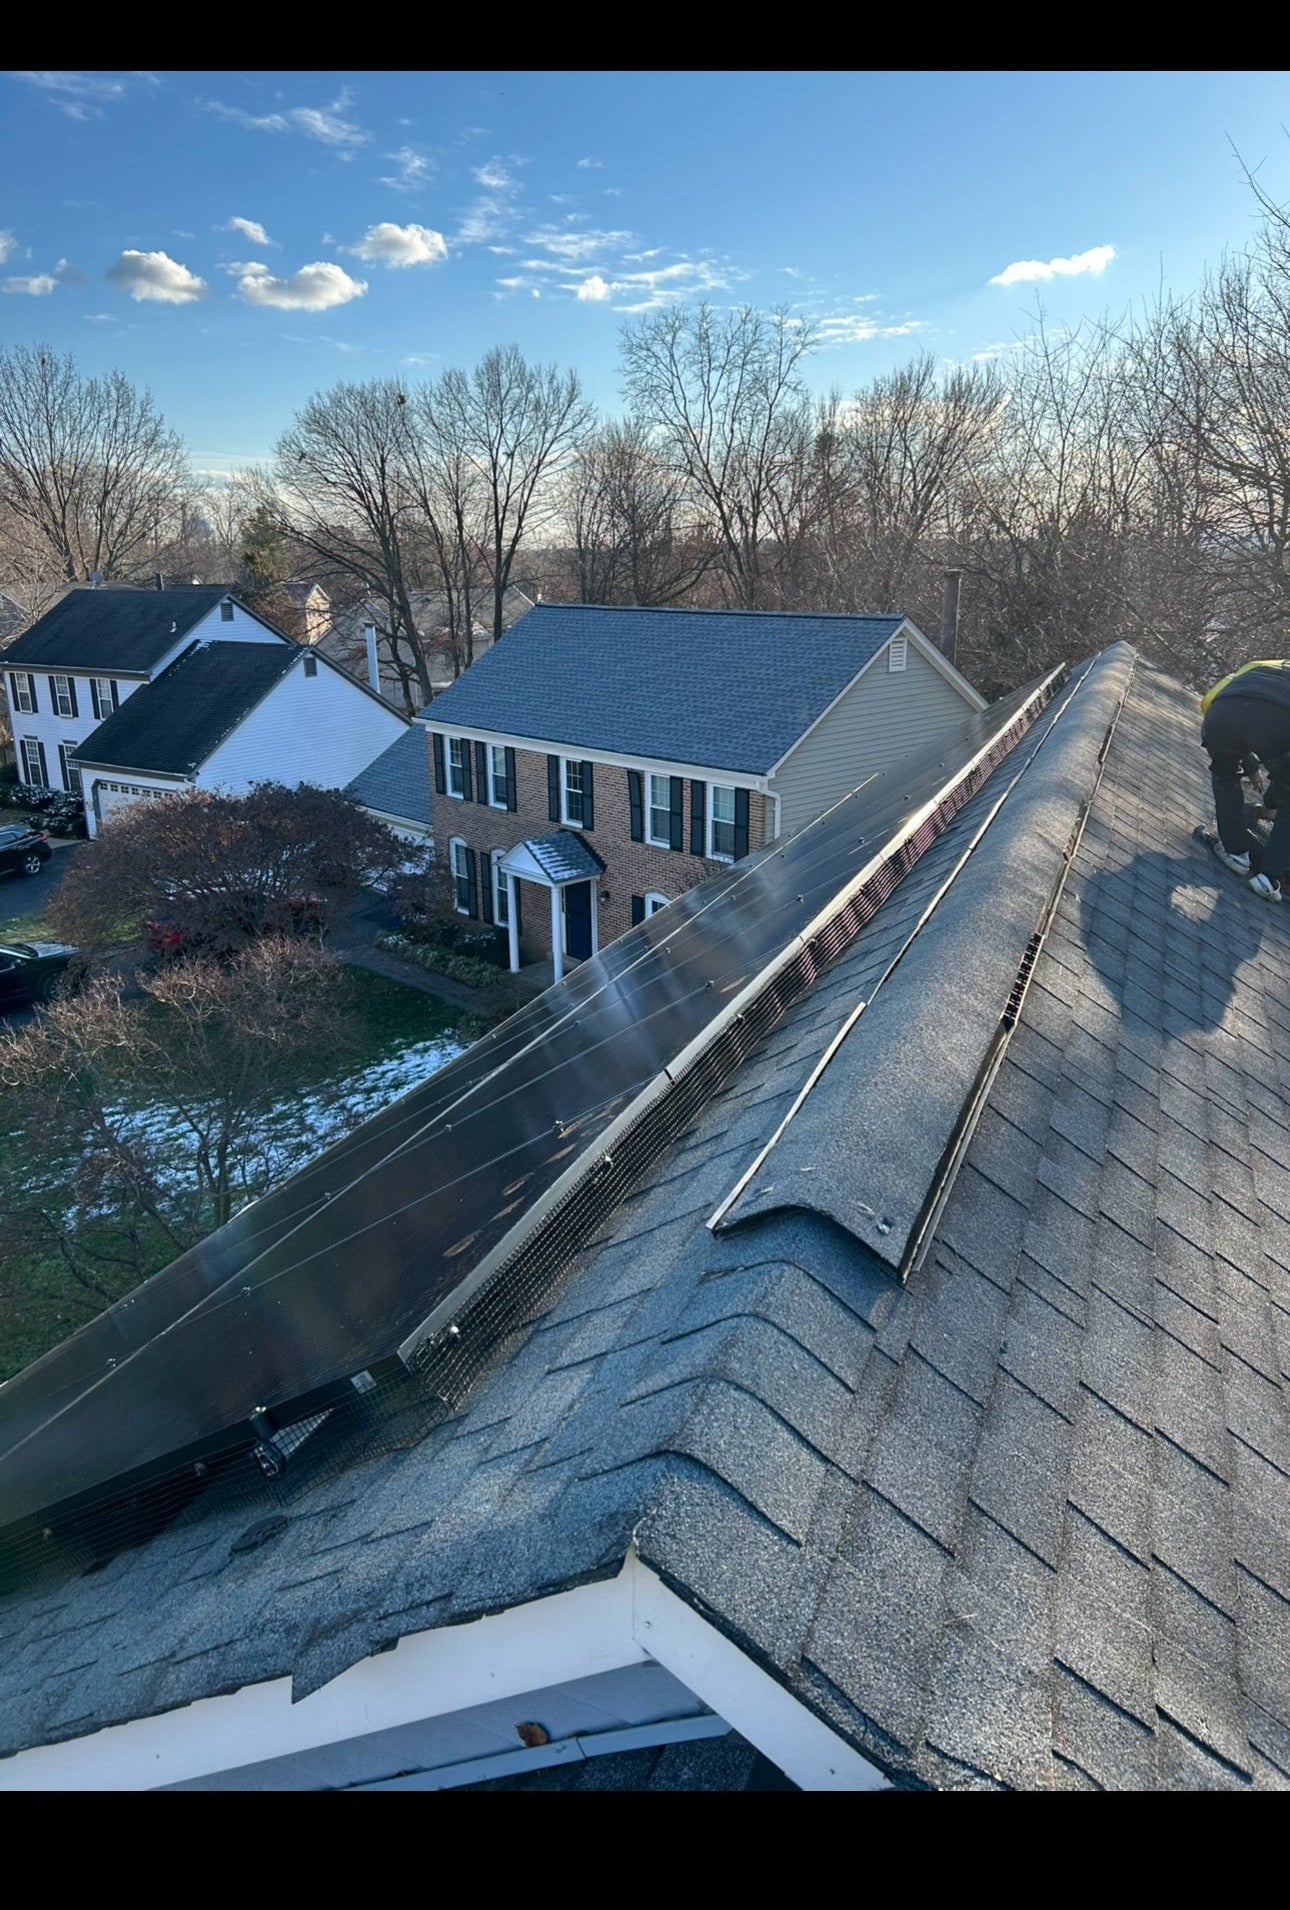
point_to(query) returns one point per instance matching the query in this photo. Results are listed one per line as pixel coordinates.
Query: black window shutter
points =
(588, 796)
(465, 764)
(512, 800)
(472, 884)
(741, 823)
(71, 691)
(677, 831)
(486, 897)
(44, 766)
(698, 796)
(636, 799)
(116, 700)
(553, 787)
(638, 910)
(33, 680)
(440, 779)
(482, 791)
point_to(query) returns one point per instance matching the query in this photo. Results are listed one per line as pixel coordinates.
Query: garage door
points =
(111, 798)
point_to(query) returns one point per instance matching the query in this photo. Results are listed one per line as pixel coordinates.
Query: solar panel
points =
(358, 1262)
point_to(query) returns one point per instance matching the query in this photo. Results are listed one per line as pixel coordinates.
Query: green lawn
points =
(41, 1301)
(28, 927)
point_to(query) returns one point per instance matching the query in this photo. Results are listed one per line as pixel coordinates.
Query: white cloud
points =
(102, 318)
(493, 176)
(68, 274)
(588, 165)
(314, 288)
(1026, 271)
(595, 289)
(38, 285)
(486, 219)
(74, 109)
(323, 123)
(414, 169)
(854, 328)
(250, 229)
(575, 246)
(420, 357)
(156, 276)
(77, 85)
(7, 244)
(398, 245)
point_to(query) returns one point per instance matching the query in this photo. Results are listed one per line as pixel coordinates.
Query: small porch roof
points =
(554, 861)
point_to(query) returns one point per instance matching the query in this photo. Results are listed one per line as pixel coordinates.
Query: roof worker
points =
(1248, 714)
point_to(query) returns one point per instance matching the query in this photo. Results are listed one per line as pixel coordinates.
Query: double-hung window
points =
(658, 811)
(24, 694)
(460, 875)
(501, 896)
(458, 767)
(497, 781)
(33, 767)
(574, 795)
(653, 903)
(101, 697)
(721, 822)
(71, 771)
(64, 700)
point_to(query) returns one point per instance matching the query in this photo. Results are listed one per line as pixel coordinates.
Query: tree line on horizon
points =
(1127, 480)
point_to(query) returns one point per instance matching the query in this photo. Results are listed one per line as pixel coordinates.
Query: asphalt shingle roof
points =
(1018, 1523)
(722, 689)
(113, 631)
(565, 856)
(398, 782)
(174, 723)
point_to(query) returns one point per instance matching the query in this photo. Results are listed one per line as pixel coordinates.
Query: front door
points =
(577, 921)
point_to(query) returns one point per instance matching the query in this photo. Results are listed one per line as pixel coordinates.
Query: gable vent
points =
(897, 653)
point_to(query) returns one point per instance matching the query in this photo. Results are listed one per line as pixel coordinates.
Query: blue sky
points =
(237, 241)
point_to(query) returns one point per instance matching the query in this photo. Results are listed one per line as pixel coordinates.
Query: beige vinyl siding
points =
(882, 717)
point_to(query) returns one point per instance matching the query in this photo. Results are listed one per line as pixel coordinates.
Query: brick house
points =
(617, 757)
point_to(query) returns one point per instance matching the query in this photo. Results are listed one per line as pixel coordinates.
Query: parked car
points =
(30, 971)
(219, 925)
(23, 851)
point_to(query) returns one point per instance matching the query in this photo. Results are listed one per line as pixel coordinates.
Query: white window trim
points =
(496, 749)
(501, 896)
(55, 697)
(712, 852)
(70, 772)
(571, 822)
(458, 795)
(654, 901)
(654, 776)
(23, 677)
(101, 705)
(455, 843)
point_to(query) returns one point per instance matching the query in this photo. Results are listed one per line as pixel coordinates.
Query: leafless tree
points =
(630, 540)
(723, 396)
(87, 464)
(342, 485)
(511, 423)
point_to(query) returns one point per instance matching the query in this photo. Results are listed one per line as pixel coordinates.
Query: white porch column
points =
(512, 922)
(595, 922)
(557, 934)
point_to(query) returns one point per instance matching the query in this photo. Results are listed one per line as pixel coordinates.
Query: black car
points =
(23, 851)
(30, 971)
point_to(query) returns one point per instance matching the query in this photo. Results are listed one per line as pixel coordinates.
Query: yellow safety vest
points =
(1264, 663)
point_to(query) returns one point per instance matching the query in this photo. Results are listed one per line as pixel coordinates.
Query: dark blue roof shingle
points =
(397, 783)
(724, 689)
(116, 632)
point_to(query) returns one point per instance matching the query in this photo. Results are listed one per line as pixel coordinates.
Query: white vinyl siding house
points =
(59, 708)
(321, 729)
(883, 715)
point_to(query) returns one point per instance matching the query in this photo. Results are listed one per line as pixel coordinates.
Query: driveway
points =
(29, 895)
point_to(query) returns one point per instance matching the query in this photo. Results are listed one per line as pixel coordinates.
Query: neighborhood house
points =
(613, 758)
(122, 696)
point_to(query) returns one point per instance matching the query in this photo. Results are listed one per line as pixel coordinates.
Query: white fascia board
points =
(118, 772)
(626, 1620)
(925, 648)
(614, 759)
